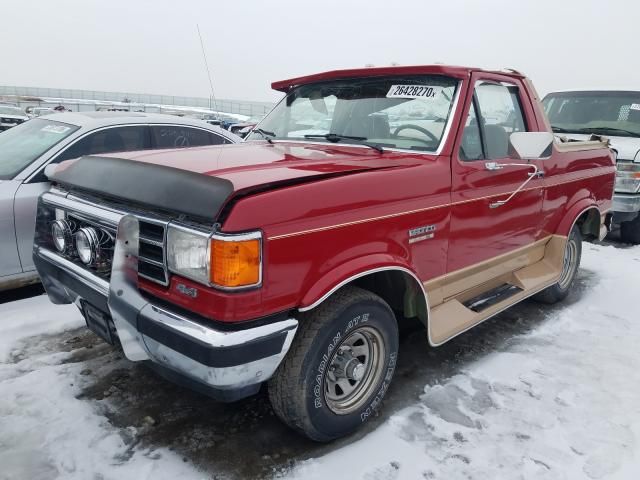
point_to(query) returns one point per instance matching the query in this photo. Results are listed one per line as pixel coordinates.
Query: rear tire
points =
(339, 366)
(630, 231)
(571, 264)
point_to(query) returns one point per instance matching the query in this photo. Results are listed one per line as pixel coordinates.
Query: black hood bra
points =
(153, 186)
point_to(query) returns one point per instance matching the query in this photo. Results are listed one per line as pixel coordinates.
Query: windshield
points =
(10, 111)
(407, 112)
(608, 113)
(21, 145)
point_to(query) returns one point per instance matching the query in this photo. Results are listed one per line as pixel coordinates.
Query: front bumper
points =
(625, 207)
(626, 202)
(226, 364)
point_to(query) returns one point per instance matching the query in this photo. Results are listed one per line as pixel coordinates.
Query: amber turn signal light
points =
(235, 263)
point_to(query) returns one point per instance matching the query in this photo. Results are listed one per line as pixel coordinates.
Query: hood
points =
(200, 182)
(253, 164)
(628, 148)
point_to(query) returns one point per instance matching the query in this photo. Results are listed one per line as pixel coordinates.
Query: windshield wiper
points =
(612, 130)
(334, 137)
(560, 130)
(265, 133)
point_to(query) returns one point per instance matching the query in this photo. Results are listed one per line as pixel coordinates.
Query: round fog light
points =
(61, 235)
(87, 245)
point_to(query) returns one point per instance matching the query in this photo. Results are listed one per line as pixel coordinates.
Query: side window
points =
(174, 136)
(495, 114)
(215, 139)
(118, 139)
(471, 146)
(500, 115)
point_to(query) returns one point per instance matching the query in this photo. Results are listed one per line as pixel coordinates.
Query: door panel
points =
(26, 202)
(9, 261)
(478, 231)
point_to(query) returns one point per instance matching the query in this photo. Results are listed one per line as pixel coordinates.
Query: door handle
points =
(491, 166)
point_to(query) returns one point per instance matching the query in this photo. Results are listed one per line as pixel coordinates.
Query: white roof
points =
(102, 119)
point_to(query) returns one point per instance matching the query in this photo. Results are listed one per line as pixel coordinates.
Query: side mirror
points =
(50, 169)
(530, 145)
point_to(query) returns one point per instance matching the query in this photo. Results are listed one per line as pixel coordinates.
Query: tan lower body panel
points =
(531, 268)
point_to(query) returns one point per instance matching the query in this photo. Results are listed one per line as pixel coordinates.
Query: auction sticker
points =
(635, 106)
(413, 91)
(55, 129)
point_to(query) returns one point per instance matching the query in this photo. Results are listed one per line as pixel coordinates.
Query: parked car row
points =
(366, 199)
(11, 116)
(242, 129)
(33, 112)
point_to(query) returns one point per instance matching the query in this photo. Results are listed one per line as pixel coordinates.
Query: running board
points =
(490, 298)
(463, 309)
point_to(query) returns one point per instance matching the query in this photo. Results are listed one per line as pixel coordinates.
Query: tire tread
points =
(286, 396)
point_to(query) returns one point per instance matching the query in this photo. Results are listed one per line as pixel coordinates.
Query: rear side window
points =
(498, 115)
(119, 139)
(174, 136)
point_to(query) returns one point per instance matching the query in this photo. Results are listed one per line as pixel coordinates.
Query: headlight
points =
(188, 253)
(628, 177)
(87, 245)
(220, 260)
(62, 236)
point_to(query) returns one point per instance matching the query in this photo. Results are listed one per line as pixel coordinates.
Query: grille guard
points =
(125, 302)
(219, 359)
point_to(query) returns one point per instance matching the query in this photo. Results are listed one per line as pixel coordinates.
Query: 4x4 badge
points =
(421, 233)
(191, 292)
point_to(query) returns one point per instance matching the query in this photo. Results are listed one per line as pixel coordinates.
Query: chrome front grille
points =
(152, 260)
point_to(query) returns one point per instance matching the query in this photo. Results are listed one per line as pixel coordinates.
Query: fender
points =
(351, 270)
(573, 213)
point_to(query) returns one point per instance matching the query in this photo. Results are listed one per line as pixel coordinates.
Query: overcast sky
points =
(152, 46)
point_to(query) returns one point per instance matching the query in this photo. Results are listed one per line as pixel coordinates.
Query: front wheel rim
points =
(569, 263)
(354, 371)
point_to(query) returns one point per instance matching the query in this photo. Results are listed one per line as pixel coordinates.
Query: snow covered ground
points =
(559, 401)
(45, 431)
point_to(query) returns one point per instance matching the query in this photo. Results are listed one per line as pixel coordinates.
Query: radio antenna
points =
(206, 64)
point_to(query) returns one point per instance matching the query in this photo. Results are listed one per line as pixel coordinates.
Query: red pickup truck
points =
(365, 198)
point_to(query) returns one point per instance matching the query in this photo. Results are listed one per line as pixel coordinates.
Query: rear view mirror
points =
(530, 145)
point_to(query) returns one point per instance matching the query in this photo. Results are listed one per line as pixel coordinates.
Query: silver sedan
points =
(27, 149)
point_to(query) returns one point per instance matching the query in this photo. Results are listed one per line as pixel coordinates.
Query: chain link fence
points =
(85, 100)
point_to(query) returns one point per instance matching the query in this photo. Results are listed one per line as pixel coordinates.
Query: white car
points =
(39, 111)
(11, 116)
(25, 152)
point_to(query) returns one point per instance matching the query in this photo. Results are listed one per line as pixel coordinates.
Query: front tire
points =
(570, 264)
(339, 366)
(630, 231)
